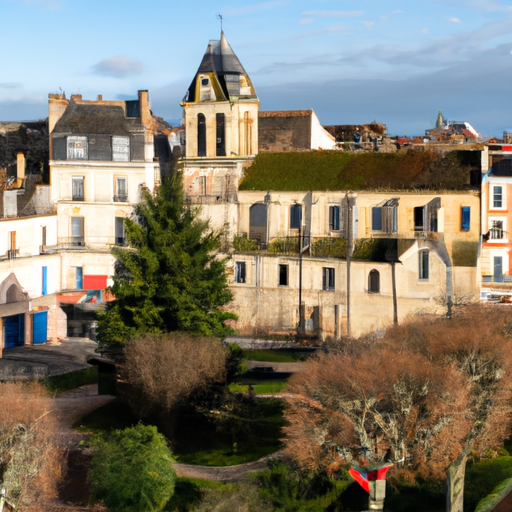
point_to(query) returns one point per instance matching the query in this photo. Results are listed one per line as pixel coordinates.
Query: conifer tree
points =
(168, 277)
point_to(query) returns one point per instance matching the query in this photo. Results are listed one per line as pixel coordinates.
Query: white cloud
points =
(424, 30)
(398, 11)
(368, 24)
(118, 66)
(10, 85)
(333, 14)
(305, 21)
(454, 20)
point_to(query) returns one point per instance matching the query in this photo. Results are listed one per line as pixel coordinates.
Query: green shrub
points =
(132, 469)
(291, 490)
(284, 246)
(243, 243)
(329, 248)
(483, 477)
(72, 380)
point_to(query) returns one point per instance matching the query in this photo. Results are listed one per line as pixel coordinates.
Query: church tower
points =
(221, 107)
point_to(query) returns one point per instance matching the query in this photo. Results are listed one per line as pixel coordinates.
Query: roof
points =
(220, 61)
(80, 118)
(286, 113)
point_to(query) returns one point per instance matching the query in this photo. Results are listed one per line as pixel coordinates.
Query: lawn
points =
(265, 387)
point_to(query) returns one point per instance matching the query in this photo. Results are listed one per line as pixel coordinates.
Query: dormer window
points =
(205, 82)
(77, 148)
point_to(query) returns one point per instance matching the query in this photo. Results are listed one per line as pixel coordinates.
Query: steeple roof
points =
(222, 65)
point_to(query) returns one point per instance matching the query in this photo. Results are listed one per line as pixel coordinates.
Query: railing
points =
(77, 198)
(328, 247)
(211, 199)
(121, 199)
(73, 243)
(496, 279)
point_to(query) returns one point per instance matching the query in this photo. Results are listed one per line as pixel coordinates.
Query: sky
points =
(352, 62)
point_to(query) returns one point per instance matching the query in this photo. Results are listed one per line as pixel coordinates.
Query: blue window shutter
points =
(377, 219)
(465, 218)
(295, 216)
(45, 281)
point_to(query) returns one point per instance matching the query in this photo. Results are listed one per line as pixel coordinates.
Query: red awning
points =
(95, 282)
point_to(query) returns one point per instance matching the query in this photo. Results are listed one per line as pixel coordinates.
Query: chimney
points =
(20, 161)
(145, 113)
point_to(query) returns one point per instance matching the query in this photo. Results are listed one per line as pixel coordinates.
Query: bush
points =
(242, 243)
(483, 477)
(132, 469)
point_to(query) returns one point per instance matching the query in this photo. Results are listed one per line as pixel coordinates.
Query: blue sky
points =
(395, 62)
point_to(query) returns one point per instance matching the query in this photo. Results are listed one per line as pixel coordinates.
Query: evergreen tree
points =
(167, 278)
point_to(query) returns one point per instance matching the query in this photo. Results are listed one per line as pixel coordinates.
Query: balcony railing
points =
(496, 279)
(123, 198)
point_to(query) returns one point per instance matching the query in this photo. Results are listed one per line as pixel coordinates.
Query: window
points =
(205, 81)
(240, 272)
(327, 278)
(497, 196)
(418, 218)
(77, 188)
(295, 216)
(221, 143)
(77, 231)
(384, 216)
(121, 190)
(423, 265)
(201, 135)
(283, 275)
(376, 219)
(496, 231)
(334, 218)
(43, 235)
(426, 217)
(374, 281)
(465, 218)
(77, 148)
(119, 227)
(121, 149)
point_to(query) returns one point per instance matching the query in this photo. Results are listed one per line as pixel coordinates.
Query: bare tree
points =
(165, 370)
(31, 462)
(426, 393)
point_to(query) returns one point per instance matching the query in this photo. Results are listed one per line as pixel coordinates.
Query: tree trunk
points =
(455, 484)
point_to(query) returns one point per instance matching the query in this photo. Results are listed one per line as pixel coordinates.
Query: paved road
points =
(33, 361)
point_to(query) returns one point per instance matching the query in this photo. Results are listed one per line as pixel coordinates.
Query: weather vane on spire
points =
(220, 17)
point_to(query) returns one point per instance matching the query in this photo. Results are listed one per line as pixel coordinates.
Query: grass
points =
(246, 435)
(115, 415)
(71, 380)
(260, 387)
(281, 355)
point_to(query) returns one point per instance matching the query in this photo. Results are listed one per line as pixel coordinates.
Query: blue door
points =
(79, 278)
(40, 327)
(14, 329)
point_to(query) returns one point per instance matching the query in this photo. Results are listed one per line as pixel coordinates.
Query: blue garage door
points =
(14, 328)
(40, 327)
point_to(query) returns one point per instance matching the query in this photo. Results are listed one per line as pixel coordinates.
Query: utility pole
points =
(350, 240)
(300, 330)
